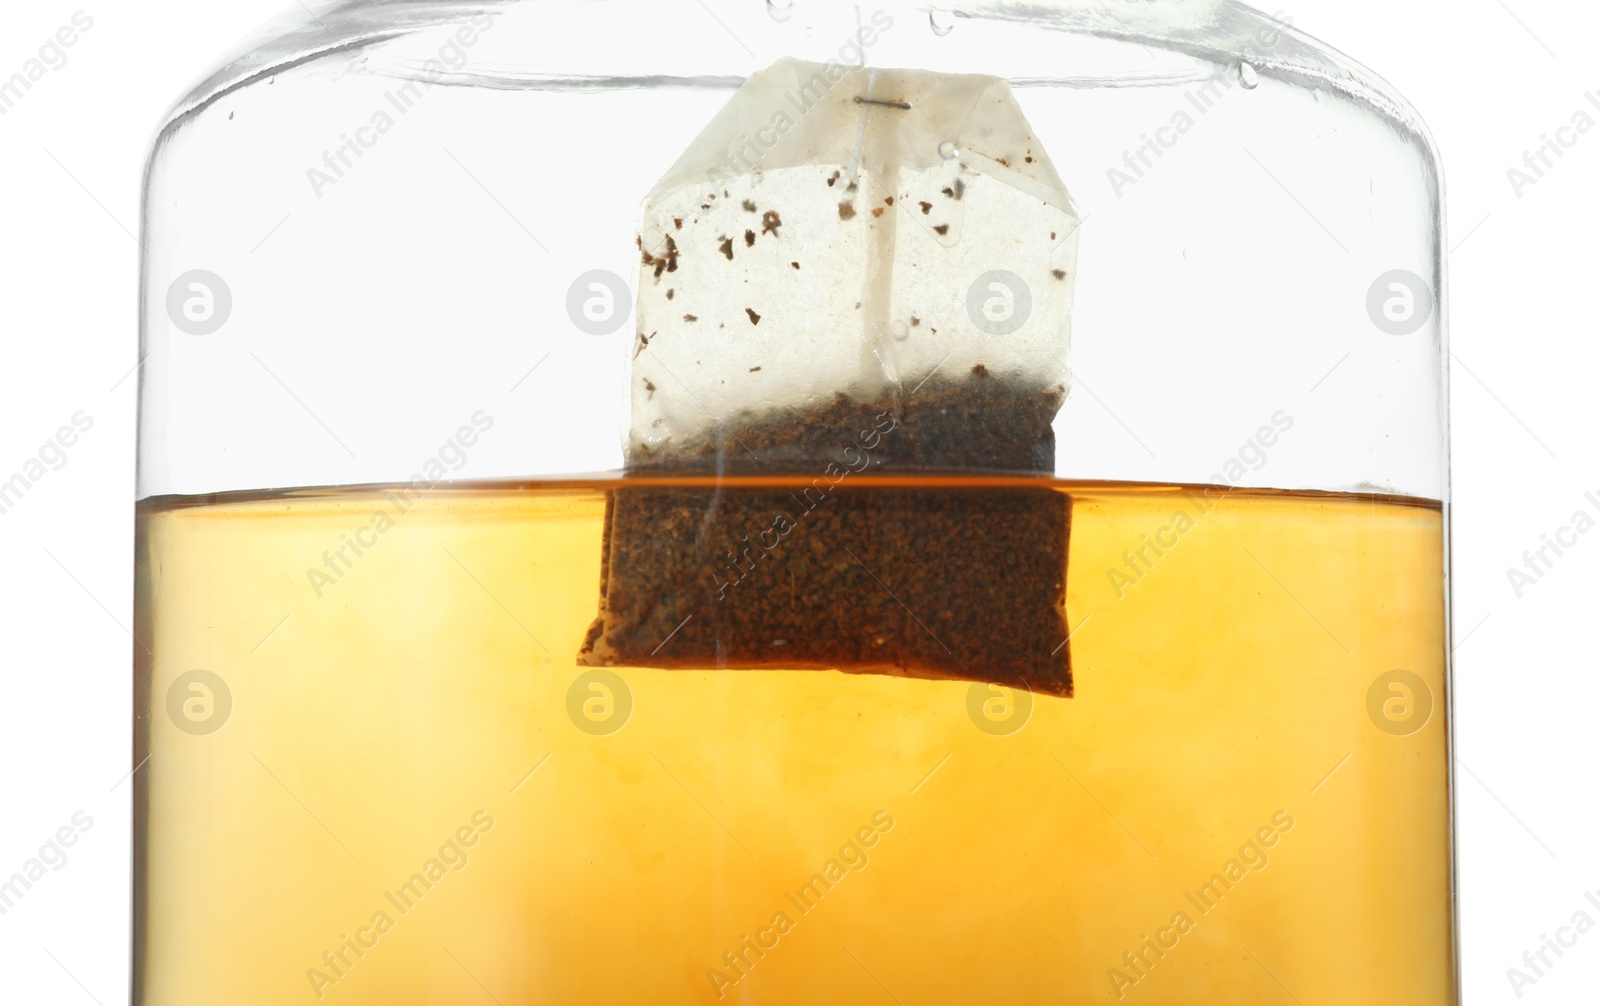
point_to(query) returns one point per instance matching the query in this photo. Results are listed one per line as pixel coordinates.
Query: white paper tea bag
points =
(855, 232)
(847, 270)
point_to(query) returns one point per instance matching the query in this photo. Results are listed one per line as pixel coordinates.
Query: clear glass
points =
(390, 474)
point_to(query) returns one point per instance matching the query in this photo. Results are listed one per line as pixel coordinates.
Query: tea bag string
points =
(878, 284)
(861, 126)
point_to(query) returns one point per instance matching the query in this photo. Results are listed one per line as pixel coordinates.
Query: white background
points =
(1489, 77)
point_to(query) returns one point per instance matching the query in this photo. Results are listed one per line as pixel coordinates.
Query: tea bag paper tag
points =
(836, 231)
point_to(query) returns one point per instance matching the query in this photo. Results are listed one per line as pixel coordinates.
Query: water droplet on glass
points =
(780, 10)
(1248, 76)
(941, 21)
(900, 330)
(948, 150)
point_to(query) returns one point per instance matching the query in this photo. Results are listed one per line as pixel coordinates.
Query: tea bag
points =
(848, 272)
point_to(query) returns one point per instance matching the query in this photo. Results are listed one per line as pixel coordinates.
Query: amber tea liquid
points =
(378, 775)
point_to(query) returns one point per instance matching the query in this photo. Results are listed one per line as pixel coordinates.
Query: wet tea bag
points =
(849, 271)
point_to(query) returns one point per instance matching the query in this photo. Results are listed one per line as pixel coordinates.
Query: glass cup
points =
(505, 635)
